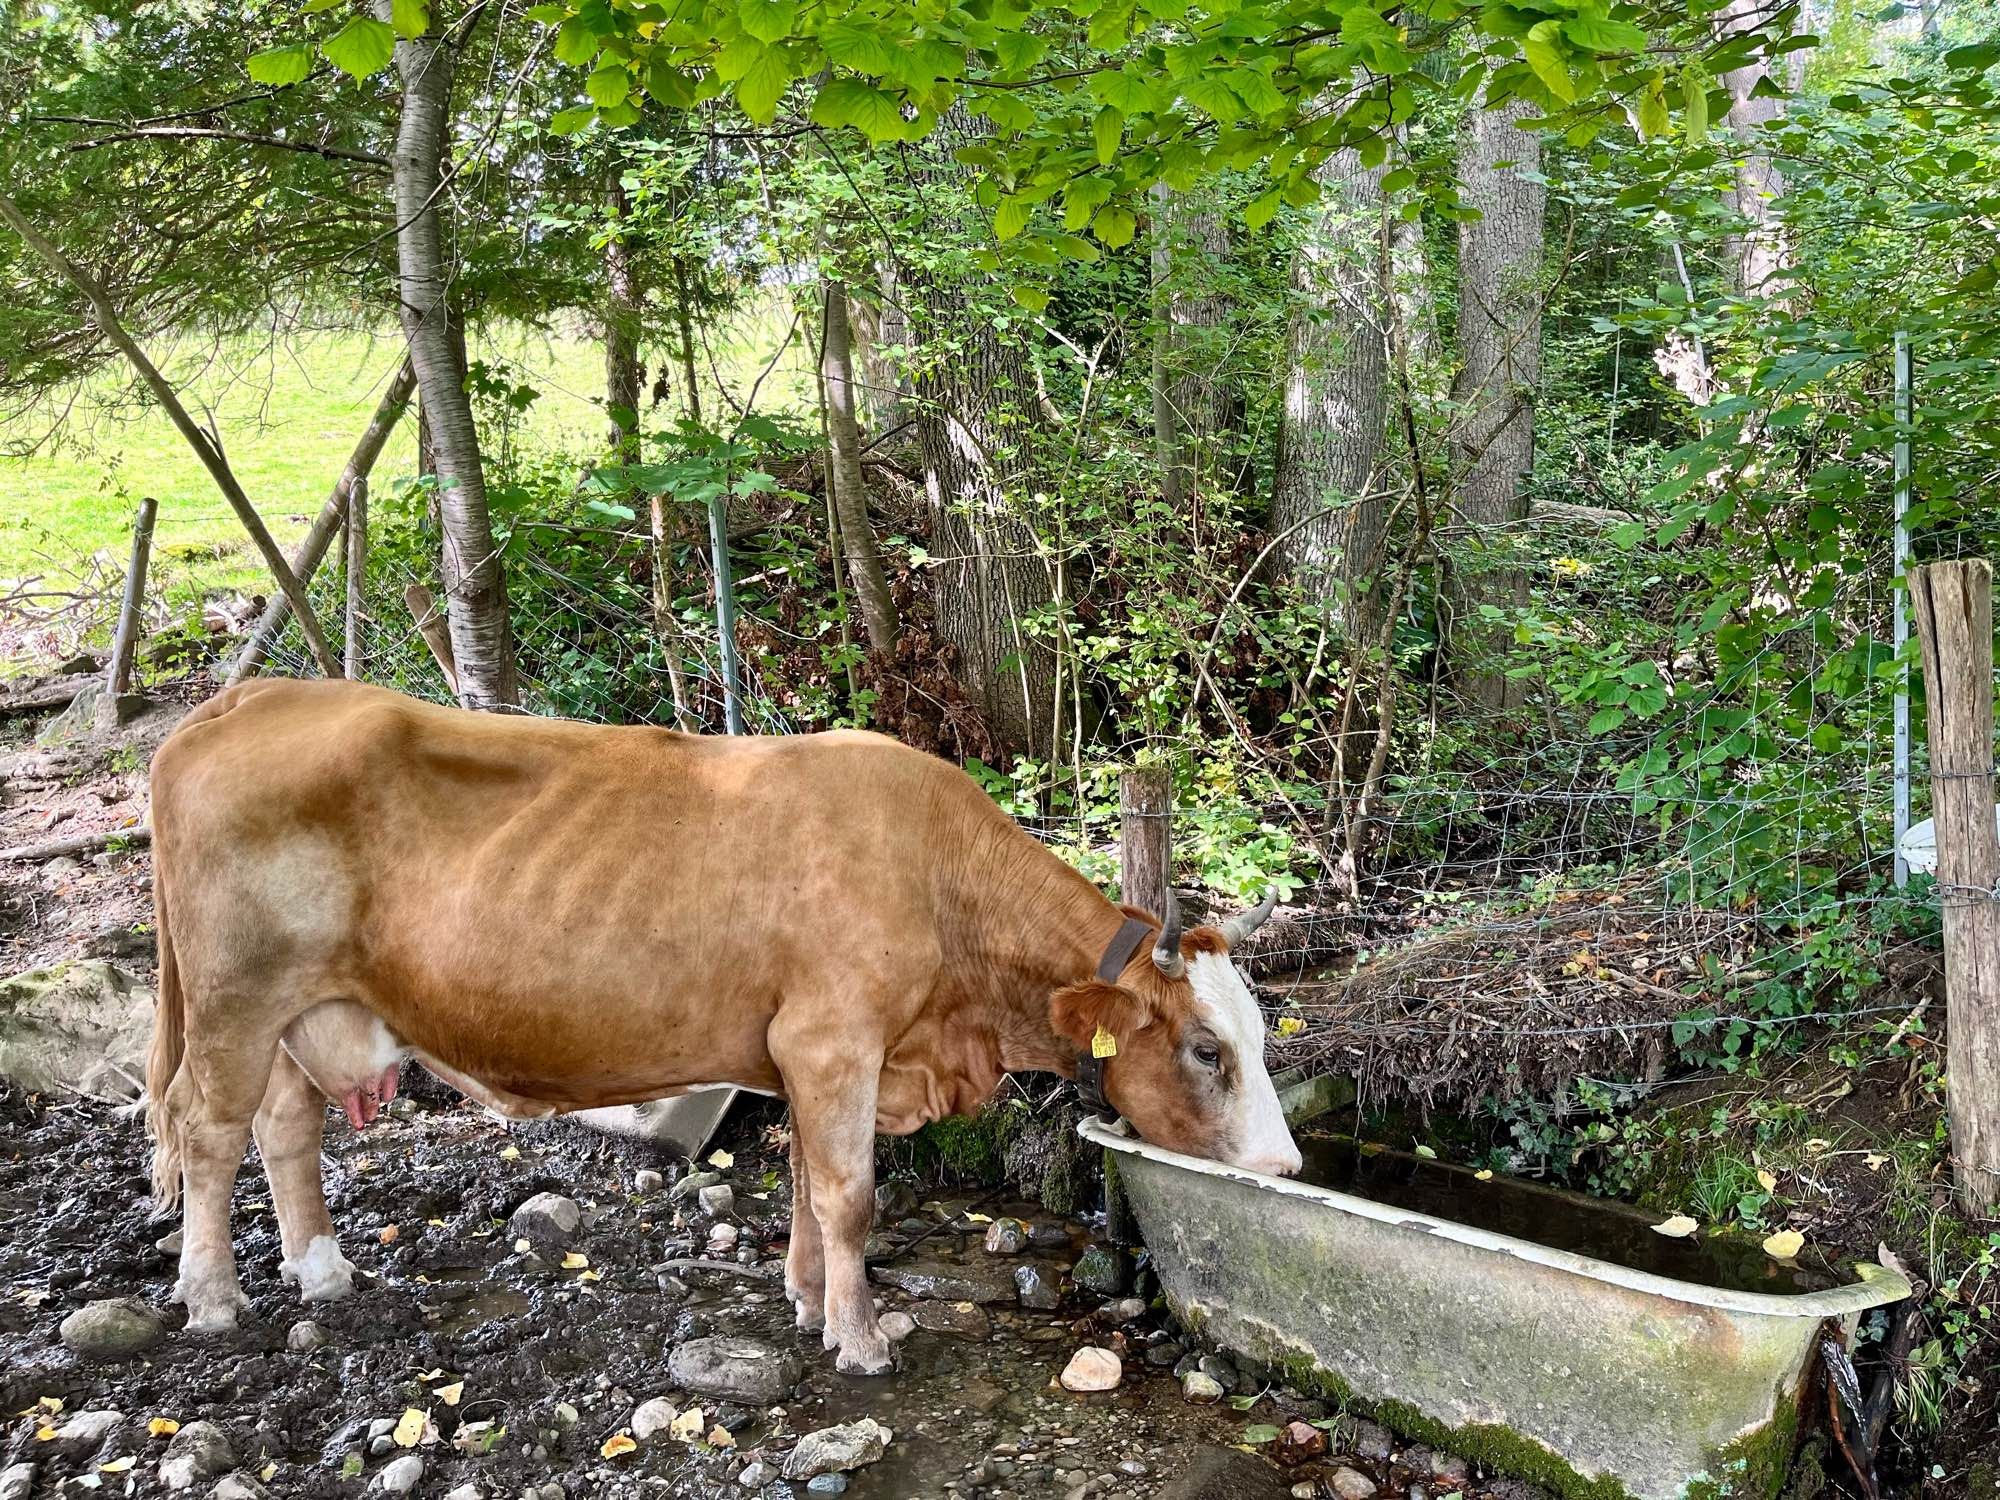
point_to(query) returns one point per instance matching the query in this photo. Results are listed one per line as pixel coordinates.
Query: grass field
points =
(288, 413)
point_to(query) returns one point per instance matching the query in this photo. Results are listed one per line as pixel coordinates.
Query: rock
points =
(113, 1329)
(722, 1239)
(942, 1280)
(645, 1182)
(16, 1480)
(1351, 1484)
(1220, 1370)
(1200, 1388)
(654, 1416)
(718, 1200)
(1092, 1369)
(304, 1336)
(827, 1484)
(1126, 1310)
(897, 1326)
(1036, 1288)
(753, 1476)
(401, 1475)
(81, 1026)
(734, 1369)
(1049, 1236)
(835, 1450)
(1006, 1237)
(548, 1221)
(961, 1320)
(1449, 1468)
(466, 1491)
(1101, 1271)
(1300, 1442)
(121, 943)
(1366, 1440)
(200, 1450)
(894, 1200)
(693, 1183)
(1225, 1474)
(84, 1433)
(238, 1487)
(981, 1394)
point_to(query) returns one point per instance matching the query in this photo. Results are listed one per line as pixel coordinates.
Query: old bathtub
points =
(1591, 1378)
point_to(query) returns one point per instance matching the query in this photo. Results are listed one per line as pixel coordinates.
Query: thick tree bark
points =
(850, 490)
(623, 323)
(474, 582)
(1759, 255)
(1325, 512)
(880, 328)
(1500, 359)
(1195, 411)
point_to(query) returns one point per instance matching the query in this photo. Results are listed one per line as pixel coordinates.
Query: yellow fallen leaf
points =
(388, 1234)
(449, 1394)
(1484, 1174)
(1291, 1025)
(435, 1223)
(979, 1218)
(163, 1427)
(117, 1465)
(521, 1246)
(722, 1161)
(618, 1443)
(1767, 1182)
(688, 1425)
(576, 1260)
(45, 1434)
(1874, 1161)
(1679, 1227)
(267, 1471)
(591, 1276)
(49, 1403)
(719, 1437)
(510, 1153)
(429, 1375)
(410, 1428)
(1785, 1244)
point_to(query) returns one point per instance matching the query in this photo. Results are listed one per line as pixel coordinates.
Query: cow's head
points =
(1189, 1069)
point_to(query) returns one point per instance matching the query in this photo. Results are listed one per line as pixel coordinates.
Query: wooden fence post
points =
(1145, 879)
(1952, 603)
(357, 574)
(131, 607)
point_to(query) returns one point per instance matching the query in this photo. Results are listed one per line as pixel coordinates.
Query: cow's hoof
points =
(213, 1310)
(322, 1273)
(858, 1357)
(810, 1319)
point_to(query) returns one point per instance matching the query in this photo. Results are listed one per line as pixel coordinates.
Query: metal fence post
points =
(1900, 634)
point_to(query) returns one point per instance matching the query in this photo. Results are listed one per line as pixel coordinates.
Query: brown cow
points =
(556, 916)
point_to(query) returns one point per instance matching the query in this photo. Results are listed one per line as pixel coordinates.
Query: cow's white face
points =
(1189, 1072)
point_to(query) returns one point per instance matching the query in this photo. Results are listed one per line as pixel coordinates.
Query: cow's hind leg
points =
(805, 1259)
(290, 1128)
(220, 1088)
(833, 1115)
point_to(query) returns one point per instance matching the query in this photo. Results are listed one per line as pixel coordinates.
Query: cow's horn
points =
(1238, 929)
(1167, 951)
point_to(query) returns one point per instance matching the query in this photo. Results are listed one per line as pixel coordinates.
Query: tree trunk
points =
(475, 585)
(623, 323)
(1759, 254)
(1500, 357)
(850, 490)
(1325, 514)
(880, 329)
(1195, 410)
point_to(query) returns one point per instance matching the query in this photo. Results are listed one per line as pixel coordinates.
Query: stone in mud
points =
(1366, 1440)
(827, 1484)
(200, 1450)
(949, 1281)
(1049, 1236)
(693, 1183)
(1125, 1310)
(112, 1329)
(654, 1416)
(1092, 1369)
(1449, 1468)
(16, 1480)
(894, 1200)
(548, 1221)
(1351, 1484)
(835, 1450)
(961, 1320)
(238, 1487)
(1101, 1271)
(722, 1239)
(1036, 1288)
(1300, 1442)
(897, 1326)
(734, 1369)
(466, 1491)
(401, 1475)
(1200, 1388)
(646, 1182)
(753, 1476)
(718, 1200)
(1006, 1237)
(84, 1433)
(1220, 1370)
(304, 1336)
(82, 1027)
(1224, 1474)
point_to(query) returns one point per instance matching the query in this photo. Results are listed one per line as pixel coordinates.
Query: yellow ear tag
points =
(1104, 1044)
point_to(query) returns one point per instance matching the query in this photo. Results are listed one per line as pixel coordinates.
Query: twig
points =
(79, 843)
(755, 1273)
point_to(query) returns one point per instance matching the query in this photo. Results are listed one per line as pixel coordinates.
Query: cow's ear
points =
(1078, 1011)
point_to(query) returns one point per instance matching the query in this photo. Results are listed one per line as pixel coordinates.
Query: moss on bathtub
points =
(1754, 1466)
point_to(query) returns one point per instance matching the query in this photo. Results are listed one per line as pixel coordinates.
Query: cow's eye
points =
(1207, 1056)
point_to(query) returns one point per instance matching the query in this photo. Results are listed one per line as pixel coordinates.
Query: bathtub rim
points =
(1881, 1286)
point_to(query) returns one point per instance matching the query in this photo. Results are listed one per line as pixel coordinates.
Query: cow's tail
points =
(163, 1064)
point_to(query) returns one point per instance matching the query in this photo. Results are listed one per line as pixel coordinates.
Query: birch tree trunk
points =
(475, 586)
(1759, 254)
(1500, 358)
(1195, 412)
(1324, 512)
(850, 490)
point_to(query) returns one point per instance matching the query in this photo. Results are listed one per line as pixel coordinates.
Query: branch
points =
(248, 138)
(204, 445)
(79, 843)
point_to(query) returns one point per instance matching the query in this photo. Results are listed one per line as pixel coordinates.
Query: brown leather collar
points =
(1090, 1070)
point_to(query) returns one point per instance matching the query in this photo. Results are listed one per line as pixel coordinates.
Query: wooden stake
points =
(1145, 878)
(357, 574)
(431, 626)
(118, 676)
(1952, 603)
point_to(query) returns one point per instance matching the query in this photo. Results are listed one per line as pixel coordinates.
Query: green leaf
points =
(1653, 117)
(669, 85)
(570, 121)
(1082, 198)
(851, 47)
(362, 47)
(1110, 26)
(1018, 51)
(576, 43)
(1109, 130)
(849, 101)
(411, 18)
(1261, 209)
(1114, 225)
(1600, 34)
(1605, 720)
(763, 85)
(1259, 1433)
(1214, 98)
(1696, 119)
(1012, 216)
(1547, 61)
(767, 20)
(1033, 298)
(608, 85)
(1123, 92)
(1076, 247)
(281, 66)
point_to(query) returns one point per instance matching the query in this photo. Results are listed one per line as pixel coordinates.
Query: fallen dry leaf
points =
(409, 1428)
(576, 1260)
(1484, 1174)
(388, 1234)
(1785, 1244)
(1679, 1227)
(618, 1443)
(163, 1427)
(722, 1161)
(1767, 1182)
(117, 1465)
(510, 1153)
(688, 1425)
(449, 1394)
(719, 1437)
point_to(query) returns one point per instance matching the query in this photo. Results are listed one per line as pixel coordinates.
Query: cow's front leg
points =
(290, 1129)
(833, 1118)
(805, 1258)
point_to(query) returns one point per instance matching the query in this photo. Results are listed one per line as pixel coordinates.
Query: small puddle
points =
(471, 1299)
(1554, 1217)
